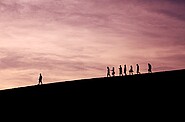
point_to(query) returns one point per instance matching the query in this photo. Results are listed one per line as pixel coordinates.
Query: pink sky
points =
(74, 39)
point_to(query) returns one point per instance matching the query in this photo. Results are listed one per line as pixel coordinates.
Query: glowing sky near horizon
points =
(75, 39)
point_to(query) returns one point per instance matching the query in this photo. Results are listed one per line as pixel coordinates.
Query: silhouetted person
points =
(131, 70)
(149, 68)
(40, 79)
(113, 72)
(125, 69)
(108, 72)
(120, 71)
(137, 69)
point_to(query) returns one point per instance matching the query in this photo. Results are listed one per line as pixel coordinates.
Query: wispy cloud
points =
(71, 39)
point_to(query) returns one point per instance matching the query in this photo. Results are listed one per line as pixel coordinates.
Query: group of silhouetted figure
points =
(123, 72)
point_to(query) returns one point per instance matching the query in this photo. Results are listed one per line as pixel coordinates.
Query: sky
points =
(77, 39)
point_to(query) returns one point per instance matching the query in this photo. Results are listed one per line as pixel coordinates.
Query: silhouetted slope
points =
(156, 85)
(156, 96)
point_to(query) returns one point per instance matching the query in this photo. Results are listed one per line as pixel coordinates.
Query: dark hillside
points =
(145, 96)
(161, 84)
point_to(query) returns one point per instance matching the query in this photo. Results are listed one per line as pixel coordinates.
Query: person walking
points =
(40, 79)
(149, 68)
(125, 69)
(113, 72)
(137, 69)
(131, 70)
(108, 72)
(120, 71)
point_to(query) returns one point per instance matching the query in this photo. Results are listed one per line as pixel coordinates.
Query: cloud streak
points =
(78, 38)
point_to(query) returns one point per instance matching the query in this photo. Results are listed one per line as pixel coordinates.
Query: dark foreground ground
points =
(157, 86)
(157, 96)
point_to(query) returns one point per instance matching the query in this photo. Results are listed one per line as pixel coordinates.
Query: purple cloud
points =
(71, 39)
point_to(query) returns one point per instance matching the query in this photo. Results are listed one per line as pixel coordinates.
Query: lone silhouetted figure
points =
(131, 70)
(120, 71)
(137, 69)
(125, 69)
(40, 79)
(108, 72)
(149, 68)
(113, 72)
